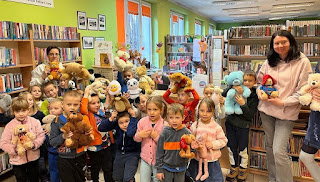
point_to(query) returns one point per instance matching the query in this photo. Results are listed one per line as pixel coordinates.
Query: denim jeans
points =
(214, 168)
(125, 166)
(147, 172)
(313, 133)
(277, 136)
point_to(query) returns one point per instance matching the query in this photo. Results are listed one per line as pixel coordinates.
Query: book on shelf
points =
(258, 160)
(249, 50)
(66, 54)
(4, 162)
(48, 32)
(256, 65)
(8, 57)
(10, 82)
(310, 48)
(304, 28)
(258, 140)
(13, 30)
(258, 31)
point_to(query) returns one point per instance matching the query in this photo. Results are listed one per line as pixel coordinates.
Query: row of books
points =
(13, 30)
(177, 39)
(249, 50)
(67, 54)
(48, 32)
(304, 28)
(8, 57)
(254, 31)
(258, 160)
(258, 140)
(253, 65)
(10, 82)
(179, 48)
(4, 162)
(310, 49)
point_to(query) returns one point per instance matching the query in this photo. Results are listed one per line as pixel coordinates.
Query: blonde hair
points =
(157, 100)
(24, 95)
(55, 100)
(19, 104)
(72, 93)
(175, 108)
(210, 85)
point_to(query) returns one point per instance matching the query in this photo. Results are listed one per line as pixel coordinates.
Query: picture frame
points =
(102, 22)
(82, 20)
(87, 42)
(99, 39)
(92, 24)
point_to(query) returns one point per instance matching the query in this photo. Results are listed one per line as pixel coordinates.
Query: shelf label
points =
(45, 3)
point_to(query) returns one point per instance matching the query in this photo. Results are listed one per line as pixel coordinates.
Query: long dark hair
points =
(294, 53)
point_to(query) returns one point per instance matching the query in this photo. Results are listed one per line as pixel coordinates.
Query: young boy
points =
(237, 130)
(128, 151)
(170, 166)
(63, 86)
(123, 78)
(51, 91)
(189, 107)
(71, 162)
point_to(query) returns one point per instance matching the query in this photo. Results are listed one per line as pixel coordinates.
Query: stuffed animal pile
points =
(180, 81)
(22, 138)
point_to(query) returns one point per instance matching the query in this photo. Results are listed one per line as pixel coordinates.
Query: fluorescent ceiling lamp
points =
(282, 17)
(230, 3)
(293, 5)
(244, 15)
(241, 9)
(288, 12)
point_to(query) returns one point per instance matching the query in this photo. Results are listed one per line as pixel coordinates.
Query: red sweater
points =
(189, 108)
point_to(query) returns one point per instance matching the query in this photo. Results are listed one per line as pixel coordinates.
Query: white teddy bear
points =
(122, 61)
(305, 92)
(133, 90)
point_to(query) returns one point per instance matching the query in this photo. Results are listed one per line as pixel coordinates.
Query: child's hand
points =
(209, 145)
(194, 144)
(68, 135)
(160, 176)
(131, 112)
(239, 89)
(239, 100)
(86, 92)
(113, 116)
(154, 134)
(126, 95)
(144, 134)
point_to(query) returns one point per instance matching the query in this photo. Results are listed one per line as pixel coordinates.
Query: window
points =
(197, 29)
(138, 28)
(176, 24)
(210, 29)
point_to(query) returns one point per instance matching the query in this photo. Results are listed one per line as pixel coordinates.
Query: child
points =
(189, 107)
(36, 92)
(127, 154)
(208, 92)
(51, 91)
(123, 78)
(100, 152)
(63, 86)
(237, 129)
(5, 102)
(71, 162)
(25, 166)
(148, 132)
(215, 140)
(170, 166)
(142, 111)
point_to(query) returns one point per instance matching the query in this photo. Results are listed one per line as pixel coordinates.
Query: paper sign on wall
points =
(45, 3)
(103, 53)
(199, 81)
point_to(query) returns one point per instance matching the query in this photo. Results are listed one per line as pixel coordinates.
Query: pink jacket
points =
(148, 145)
(7, 135)
(289, 77)
(214, 134)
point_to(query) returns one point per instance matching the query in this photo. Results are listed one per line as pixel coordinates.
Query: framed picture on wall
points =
(87, 42)
(92, 24)
(82, 20)
(102, 22)
(99, 39)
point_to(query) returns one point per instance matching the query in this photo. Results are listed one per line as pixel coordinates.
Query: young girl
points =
(142, 111)
(36, 92)
(25, 166)
(148, 132)
(206, 127)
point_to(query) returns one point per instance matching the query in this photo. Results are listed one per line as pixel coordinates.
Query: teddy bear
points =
(80, 130)
(185, 143)
(5, 102)
(98, 88)
(54, 70)
(47, 123)
(305, 92)
(118, 102)
(231, 105)
(122, 61)
(22, 138)
(180, 81)
(145, 82)
(75, 70)
(133, 90)
(216, 96)
(269, 91)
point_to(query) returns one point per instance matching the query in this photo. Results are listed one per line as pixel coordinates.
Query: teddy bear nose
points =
(313, 83)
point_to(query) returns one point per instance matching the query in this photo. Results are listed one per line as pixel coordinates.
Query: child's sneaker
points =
(232, 174)
(242, 175)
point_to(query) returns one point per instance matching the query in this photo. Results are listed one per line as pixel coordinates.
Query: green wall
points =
(160, 11)
(64, 13)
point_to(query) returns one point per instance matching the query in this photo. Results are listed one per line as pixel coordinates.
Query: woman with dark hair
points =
(290, 69)
(40, 73)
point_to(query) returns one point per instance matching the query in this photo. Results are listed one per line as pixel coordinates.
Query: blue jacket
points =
(124, 88)
(124, 140)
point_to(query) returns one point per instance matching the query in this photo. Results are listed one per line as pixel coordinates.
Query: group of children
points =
(149, 133)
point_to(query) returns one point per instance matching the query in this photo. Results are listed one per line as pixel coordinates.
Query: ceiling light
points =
(286, 12)
(241, 9)
(244, 15)
(282, 17)
(293, 5)
(230, 3)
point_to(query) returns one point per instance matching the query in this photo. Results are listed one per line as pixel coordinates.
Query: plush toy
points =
(80, 130)
(185, 150)
(180, 81)
(305, 92)
(269, 91)
(22, 138)
(54, 71)
(216, 96)
(118, 102)
(47, 123)
(133, 90)
(5, 102)
(75, 70)
(144, 80)
(98, 88)
(72, 85)
(231, 105)
(122, 61)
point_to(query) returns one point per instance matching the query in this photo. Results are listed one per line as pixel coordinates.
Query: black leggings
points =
(308, 149)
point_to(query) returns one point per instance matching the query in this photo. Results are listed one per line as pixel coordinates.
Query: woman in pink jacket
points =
(289, 68)
(25, 163)
(148, 132)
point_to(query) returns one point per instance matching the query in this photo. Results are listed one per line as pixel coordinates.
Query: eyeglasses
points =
(54, 54)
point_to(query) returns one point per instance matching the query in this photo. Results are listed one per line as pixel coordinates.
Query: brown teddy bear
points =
(144, 81)
(79, 129)
(47, 123)
(180, 81)
(75, 70)
(185, 150)
(118, 102)
(54, 70)
(22, 138)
